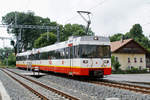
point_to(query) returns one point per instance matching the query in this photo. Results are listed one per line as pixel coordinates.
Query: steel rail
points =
(27, 87)
(47, 87)
(135, 88)
(109, 83)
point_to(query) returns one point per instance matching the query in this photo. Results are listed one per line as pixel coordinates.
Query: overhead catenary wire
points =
(27, 4)
(90, 9)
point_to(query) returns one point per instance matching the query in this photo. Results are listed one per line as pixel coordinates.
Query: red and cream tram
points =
(83, 56)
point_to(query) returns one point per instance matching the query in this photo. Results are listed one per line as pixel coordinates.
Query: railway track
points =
(135, 88)
(115, 84)
(144, 83)
(27, 87)
(40, 84)
(110, 83)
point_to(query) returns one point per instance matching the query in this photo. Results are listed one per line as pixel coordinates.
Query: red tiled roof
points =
(118, 44)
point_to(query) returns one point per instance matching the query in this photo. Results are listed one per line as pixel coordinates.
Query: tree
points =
(42, 40)
(28, 35)
(73, 30)
(136, 31)
(115, 64)
(116, 37)
(7, 53)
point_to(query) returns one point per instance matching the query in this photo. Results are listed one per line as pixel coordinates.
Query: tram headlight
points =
(85, 61)
(95, 38)
(106, 62)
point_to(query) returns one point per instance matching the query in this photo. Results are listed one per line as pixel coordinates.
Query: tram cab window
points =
(94, 51)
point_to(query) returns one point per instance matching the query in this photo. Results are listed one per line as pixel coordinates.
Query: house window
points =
(129, 67)
(141, 60)
(135, 60)
(116, 58)
(129, 60)
(140, 67)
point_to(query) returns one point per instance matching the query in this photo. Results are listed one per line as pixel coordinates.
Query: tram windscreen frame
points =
(94, 51)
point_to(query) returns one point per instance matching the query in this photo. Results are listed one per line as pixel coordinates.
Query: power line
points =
(27, 5)
(100, 3)
(9, 38)
(92, 8)
(29, 26)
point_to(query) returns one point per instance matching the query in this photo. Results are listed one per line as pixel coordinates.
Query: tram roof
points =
(97, 40)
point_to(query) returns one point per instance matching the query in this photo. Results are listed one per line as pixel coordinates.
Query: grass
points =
(5, 66)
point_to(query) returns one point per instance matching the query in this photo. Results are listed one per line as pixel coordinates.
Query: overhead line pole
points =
(32, 27)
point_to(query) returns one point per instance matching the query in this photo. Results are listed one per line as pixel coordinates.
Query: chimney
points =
(122, 39)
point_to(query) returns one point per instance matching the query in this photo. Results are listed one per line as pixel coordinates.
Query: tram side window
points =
(76, 52)
(20, 58)
(66, 53)
(30, 57)
(51, 55)
(62, 53)
(57, 54)
(37, 56)
(17, 58)
(33, 57)
(44, 56)
(25, 57)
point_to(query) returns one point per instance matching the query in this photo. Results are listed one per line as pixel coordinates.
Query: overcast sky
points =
(108, 16)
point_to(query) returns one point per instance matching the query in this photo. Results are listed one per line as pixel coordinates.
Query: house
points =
(130, 54)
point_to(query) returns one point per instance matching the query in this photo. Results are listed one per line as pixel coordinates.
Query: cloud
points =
(115, 16)
(108, 16)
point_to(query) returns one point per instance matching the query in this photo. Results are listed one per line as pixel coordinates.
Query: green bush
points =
(130, 71)
(136, 70)
(115, 64)
(11, 60)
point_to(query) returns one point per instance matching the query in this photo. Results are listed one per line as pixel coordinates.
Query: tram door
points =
(29, 63)
(71, 60)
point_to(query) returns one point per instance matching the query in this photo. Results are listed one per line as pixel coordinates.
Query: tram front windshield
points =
(94, 51)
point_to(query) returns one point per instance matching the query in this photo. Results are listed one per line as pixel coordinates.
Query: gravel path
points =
(88, 91)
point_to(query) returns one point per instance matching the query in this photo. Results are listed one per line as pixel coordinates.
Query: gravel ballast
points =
(15, 90)
(50, 95)
(88, 91)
